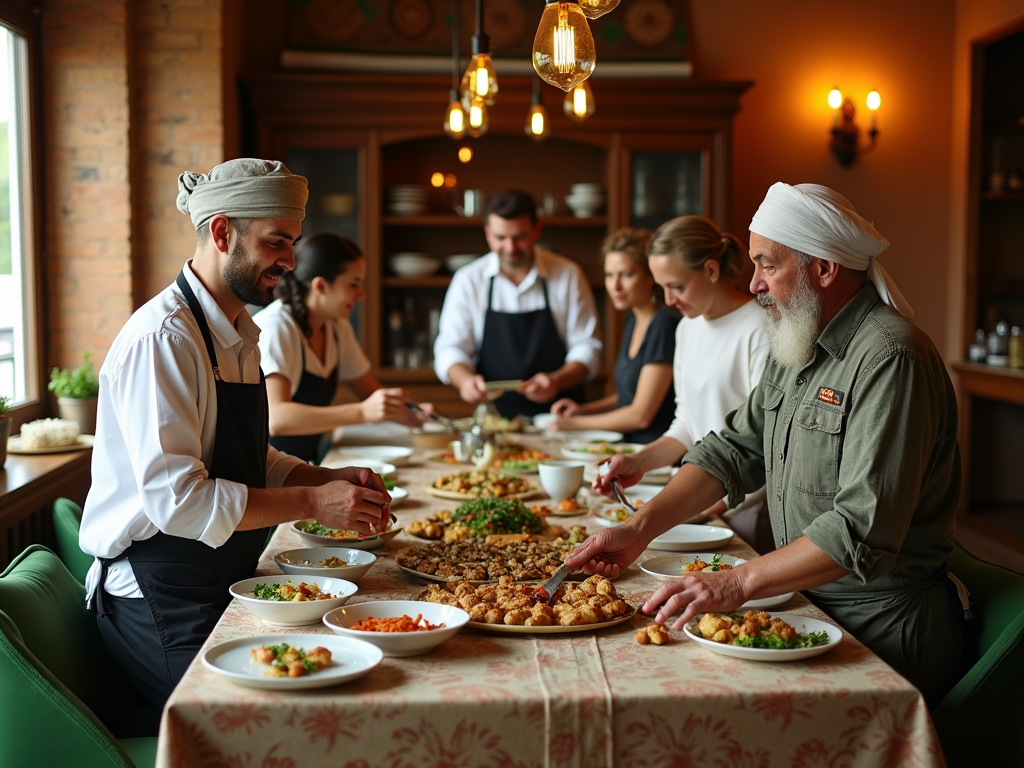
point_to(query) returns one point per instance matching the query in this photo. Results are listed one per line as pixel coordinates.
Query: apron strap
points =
(204, 327)
(96, 602)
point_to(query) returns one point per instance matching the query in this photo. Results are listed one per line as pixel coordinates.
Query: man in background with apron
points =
(518, 314)
(185, 486)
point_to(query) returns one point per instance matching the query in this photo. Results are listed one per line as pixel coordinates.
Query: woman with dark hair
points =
(307, 346)
(721, 349)
(643, 403)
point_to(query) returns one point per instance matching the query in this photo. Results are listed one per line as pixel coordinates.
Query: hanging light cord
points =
(481, 42)
(456, 33)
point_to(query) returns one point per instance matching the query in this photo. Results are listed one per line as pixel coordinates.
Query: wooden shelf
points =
(1005, 384)
(452, 220)
(1017, 197)
(431, 281)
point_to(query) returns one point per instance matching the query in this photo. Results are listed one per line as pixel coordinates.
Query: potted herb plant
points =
(5, 427)
(76, 391)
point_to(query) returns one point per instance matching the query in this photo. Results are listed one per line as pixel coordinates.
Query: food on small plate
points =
(615, 514)
(403, 623)
(568, 505)
(591, 602)
(316, 529)
(601, 448)
(327, 562)
(288, 661)
(756, 629)
(476, 560)
(715, 565)
(483, 484)
(287, 593)
(508, 458)
(652, 634)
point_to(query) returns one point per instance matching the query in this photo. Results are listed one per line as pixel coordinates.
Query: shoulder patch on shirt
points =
(831, 396)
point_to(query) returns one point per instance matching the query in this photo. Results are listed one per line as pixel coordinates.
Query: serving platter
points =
(589, 435)
(232, 660)
(577, 451)
(798, 622)
(81, 443)
(522, 629)
(456, 496)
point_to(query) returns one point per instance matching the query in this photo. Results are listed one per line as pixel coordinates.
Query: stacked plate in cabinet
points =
(408, 200)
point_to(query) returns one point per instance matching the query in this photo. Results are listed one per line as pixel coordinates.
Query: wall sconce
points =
(845, 133)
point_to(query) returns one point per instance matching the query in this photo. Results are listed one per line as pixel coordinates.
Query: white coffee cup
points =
(561, 479)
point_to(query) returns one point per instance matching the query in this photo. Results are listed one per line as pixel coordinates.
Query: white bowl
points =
(413, 265)
(275, 613)
(393, 454)
(359, 562)
(370, 542)
(561, 479)
(459, 260)
(587, 186)
(382, 468)
(399, 643)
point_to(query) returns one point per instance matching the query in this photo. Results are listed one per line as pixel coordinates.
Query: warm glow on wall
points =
(845, 133)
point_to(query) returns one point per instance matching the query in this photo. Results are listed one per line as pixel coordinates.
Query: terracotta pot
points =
(81, 410)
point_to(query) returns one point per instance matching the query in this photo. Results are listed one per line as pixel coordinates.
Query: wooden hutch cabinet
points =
(992, 402)
(660, 148)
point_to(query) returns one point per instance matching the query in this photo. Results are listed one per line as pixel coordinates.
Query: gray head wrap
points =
(246, 188)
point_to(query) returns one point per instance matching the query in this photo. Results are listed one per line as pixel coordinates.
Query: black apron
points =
(313, 390)
(518, 346)
(185, 582)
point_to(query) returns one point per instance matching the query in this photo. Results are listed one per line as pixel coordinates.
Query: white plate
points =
(671, 566)
(380, 467)
(599, 516)
(587, 435)
(278, 613)
(577, 450)
(359, 562)
(800, 623)
(659, 476)
(456, 496)
(541, 420)
(397, 494)
(370, 542)
(83, 442)
(390, 454)
(341, 620)
(691, 538)
(350, 659)
(766, 602)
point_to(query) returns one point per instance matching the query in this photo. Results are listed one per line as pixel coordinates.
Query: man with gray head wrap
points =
(185, 485)
(853, 429)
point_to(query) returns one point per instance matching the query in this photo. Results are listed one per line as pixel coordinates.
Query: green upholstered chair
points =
(56, 679)
(981, 721)
(67, 519)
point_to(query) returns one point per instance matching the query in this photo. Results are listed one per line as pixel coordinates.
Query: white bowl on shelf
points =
(459, 260)
(413, 264)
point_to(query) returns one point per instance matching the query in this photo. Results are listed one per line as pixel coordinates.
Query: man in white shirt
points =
(184, 482)
(518, 313)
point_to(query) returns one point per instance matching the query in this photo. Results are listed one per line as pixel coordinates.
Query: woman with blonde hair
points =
(642, 405)
(721, 350)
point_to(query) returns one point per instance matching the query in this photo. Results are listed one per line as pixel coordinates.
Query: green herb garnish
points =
(487, 516)
(765, 640)
(270, 592)
(282, 649)
(525, 465)
(389, 484)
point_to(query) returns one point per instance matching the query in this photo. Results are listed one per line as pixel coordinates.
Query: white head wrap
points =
(246, 188)
(820, 222)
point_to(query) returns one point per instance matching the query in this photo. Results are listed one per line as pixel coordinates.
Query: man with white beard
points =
(853, 428)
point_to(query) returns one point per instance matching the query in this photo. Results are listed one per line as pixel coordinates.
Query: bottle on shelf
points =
(396, 339)
(978, 350)
(998, 345)
(1016, 347)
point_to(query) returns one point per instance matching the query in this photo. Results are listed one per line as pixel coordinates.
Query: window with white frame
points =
(18, 342)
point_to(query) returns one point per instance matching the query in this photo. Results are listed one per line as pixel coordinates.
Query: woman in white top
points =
(642, 404)
(721, 349)
(307, 346)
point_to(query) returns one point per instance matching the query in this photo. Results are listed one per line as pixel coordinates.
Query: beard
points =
(243, 275)
(792, 336)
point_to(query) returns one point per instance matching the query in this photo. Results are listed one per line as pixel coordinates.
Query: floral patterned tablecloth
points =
(586, 700)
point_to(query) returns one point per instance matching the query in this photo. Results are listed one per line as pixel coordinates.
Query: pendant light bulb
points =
(563, 50)
(477, 126)
(538, 126)
(594, 9)
(579, 102)
(455, 118)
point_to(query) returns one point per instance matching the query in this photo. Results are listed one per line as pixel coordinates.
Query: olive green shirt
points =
(858, 449)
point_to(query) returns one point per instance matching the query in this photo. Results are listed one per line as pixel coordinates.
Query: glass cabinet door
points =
(333, 205)
(664, 185)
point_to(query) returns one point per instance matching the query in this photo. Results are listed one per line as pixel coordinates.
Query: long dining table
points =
(582, 700)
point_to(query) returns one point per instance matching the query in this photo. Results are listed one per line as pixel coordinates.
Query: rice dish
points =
(48, 433)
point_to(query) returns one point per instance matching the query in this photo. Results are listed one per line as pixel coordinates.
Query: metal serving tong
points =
(620, 493)
(415, 408)
(546, 591)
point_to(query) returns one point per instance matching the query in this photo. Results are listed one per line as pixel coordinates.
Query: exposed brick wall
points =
(178, 125)
(88, 191)
(132, 97)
